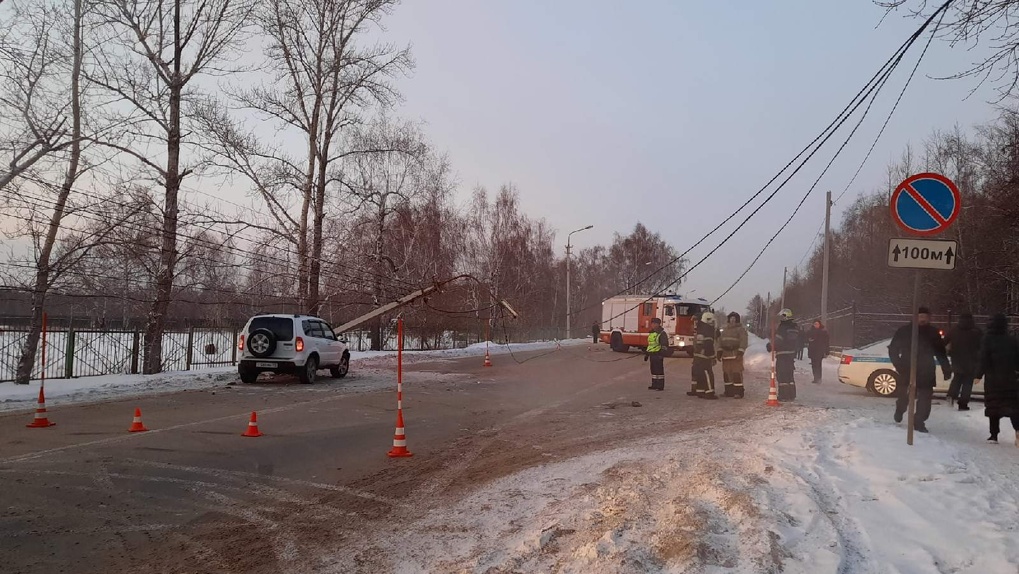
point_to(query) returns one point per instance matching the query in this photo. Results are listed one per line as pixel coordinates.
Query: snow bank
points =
(800, 490)
(87, 389)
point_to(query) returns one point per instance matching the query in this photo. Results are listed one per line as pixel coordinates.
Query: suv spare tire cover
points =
(266, 341)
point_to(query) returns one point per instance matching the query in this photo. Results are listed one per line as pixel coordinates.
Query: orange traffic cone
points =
(136, 424)
(772, 392)
(40, 420)
(399, 439)
(252, 426)
(488, 359)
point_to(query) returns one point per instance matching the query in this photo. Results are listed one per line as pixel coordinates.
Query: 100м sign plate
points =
(922, 254)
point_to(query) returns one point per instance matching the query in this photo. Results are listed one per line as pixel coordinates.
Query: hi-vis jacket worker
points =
(656, 351)
(732, 343)
(704, 357)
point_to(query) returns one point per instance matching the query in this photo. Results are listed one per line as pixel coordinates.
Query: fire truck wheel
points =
(617, 343)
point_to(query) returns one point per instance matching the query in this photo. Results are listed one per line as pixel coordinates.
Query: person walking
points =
(818, 347)
(656, 351)
(930, 347)
(787, 341)
(963, 344)
(595, 332)
(732, 343)
(999, 361)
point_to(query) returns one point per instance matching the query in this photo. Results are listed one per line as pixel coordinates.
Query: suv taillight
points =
(847, 359)
(299, 344)
(240, 343)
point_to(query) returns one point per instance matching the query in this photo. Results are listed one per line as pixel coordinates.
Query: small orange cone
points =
(136, 425)
(488, 359)
(40, 420)
(252, 426)
(772, 392)
(399, 439)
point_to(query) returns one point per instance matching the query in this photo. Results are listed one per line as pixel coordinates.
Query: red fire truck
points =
(626, 320)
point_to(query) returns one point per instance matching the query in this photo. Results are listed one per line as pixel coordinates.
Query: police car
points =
(870, 368)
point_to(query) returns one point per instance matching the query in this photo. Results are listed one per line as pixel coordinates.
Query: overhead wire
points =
(812, 187)
(825, 135)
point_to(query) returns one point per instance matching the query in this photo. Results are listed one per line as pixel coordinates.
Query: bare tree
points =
(968, 23)
(149, 60)
(383, 183)
(323, 81)
(33, 114)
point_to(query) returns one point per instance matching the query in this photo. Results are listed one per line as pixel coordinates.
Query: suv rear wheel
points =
(262, 343)
(341, 370)
(310, 371)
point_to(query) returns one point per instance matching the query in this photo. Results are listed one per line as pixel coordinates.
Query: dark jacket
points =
(704, 341)
(930, 345)
(963, 343)
(999, 361)
(595, 329)
(787, 338)
(818, 343)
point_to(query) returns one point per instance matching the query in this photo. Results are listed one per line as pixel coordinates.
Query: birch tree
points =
(150, 62)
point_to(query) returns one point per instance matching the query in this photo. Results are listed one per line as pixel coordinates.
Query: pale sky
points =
(671, 113)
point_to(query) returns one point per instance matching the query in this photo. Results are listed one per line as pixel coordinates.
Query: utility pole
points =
(827, 251)
(568, 247)
(784, 271)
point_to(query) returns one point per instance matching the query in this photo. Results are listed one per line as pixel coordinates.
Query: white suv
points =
(294, 344)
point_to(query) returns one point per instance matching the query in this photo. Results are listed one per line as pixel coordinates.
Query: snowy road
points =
(544, 466)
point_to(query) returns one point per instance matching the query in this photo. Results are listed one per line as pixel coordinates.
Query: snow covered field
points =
(96, 388)
(827, 484)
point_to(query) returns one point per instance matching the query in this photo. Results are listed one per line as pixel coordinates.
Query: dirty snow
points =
(824, 485)
(104, 387)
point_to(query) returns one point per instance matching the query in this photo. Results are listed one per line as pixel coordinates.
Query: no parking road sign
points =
(926, 204)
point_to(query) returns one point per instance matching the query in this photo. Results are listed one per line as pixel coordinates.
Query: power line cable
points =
(812, 187)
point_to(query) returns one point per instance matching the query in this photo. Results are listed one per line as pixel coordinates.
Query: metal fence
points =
(72, 353)
(85, 352)
(851, 329)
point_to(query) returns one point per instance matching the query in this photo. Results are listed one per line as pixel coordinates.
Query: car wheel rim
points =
(311, 370)
(884, 384)
(259, 343)
(344, 366)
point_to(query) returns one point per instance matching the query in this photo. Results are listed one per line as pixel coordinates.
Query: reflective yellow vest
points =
(654, 343)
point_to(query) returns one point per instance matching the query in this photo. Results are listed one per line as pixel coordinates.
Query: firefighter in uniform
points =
(704, 356)
(732, 343)
(656, 351)
(787, 341)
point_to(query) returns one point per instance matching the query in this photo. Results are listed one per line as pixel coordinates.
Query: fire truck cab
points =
(626, 320)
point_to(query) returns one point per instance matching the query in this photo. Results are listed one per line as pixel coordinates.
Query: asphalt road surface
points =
(192, 495)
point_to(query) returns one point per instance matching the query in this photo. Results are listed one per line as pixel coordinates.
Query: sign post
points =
(925, 204)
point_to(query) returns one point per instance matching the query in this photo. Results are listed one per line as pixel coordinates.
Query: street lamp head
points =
(588, 227)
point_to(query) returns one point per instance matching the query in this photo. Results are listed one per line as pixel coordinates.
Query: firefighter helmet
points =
(708, 317)
(785, 315)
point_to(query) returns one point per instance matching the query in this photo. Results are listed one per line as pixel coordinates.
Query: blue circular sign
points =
(926, 204)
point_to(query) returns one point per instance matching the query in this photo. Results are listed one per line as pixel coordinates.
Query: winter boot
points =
(963, 406)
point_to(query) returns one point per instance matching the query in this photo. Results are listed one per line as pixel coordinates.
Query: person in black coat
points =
(963, 342)
(595, 332)
(818, 347)
(930, 346)
(999, 361)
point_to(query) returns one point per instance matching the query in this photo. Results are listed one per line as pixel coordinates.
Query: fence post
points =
(189, 355)
(135, 351)
(949, 319)
(233, 356)
(69, 353)
(852, 328)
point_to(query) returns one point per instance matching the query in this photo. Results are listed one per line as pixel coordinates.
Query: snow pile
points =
(800, 490)
(757, 358)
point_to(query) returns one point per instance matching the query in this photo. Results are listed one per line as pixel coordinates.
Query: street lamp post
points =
(568, 308)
